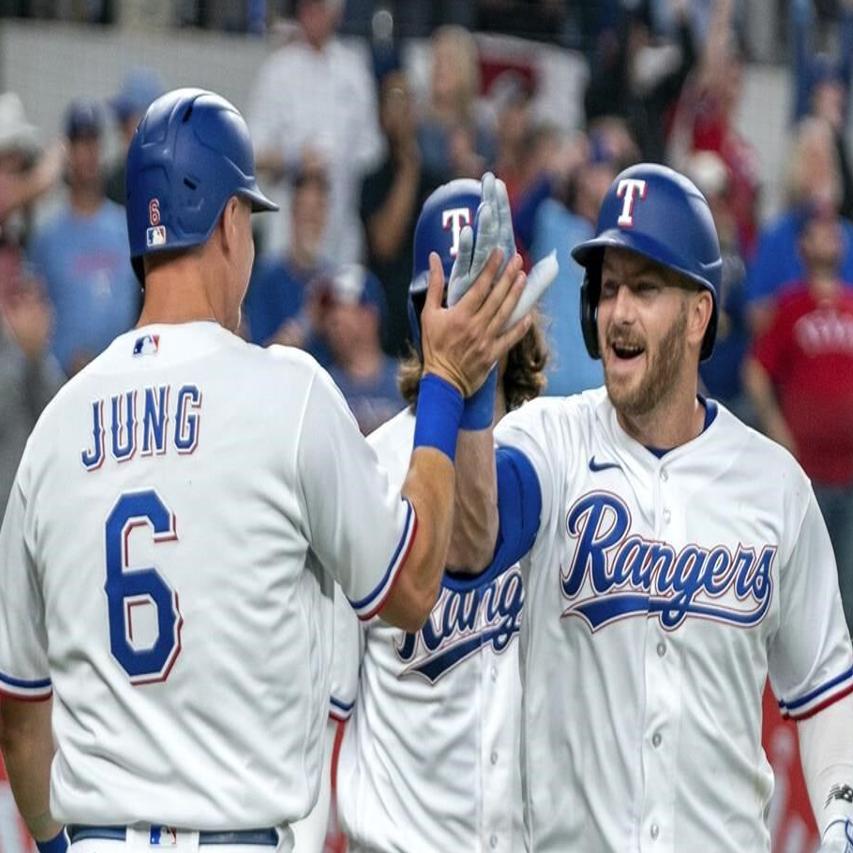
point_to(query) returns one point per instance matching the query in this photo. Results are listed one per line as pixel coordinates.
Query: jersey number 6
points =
(127, 588)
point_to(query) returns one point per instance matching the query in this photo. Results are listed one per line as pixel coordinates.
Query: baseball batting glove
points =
(838, 837)
(495, 231)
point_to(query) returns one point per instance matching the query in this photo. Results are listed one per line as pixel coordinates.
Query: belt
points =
(259, 837)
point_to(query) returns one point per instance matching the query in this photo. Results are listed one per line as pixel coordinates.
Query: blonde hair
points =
(467, 64)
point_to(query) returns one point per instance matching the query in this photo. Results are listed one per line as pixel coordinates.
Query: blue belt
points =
(258, 837)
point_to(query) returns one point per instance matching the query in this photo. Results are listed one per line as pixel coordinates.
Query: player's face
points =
(642, 331)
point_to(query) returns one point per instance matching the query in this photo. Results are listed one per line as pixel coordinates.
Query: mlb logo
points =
(156, 236)
(163, 836)
(147, 345)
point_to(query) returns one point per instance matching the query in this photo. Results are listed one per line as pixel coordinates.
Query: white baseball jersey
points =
(429, 760)
(167, 564)
(660, 593)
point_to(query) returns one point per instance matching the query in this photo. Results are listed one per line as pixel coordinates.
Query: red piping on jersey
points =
(381, 603)
(831, 700)
(5, 694)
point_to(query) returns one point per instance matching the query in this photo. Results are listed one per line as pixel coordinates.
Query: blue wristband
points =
(57, 844)
(479, 410)
(439, 412)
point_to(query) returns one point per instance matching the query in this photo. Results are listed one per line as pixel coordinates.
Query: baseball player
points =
(457, 678)
(672, 559)
(180, 514)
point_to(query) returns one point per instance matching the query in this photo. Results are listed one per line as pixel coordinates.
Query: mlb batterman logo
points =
(156, 234)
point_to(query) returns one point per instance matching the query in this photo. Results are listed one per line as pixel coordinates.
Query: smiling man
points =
(672, 559)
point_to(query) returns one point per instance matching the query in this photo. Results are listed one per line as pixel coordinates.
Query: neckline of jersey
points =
(711, 410)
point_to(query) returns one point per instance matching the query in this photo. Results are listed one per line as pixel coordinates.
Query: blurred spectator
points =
(25, 174)
(822, 82)
(638, 78)
(82, 253)
(560, 225)
(314, 103)
(722, 373)
(813, 179)
(391, 198)
(352, 305)
(707, 121)
(138, 89)
(277, 307)
(800, 377)
(29, 376)
(455, 141)
(511, 95)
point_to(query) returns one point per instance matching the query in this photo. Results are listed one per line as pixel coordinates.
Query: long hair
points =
(523, 378)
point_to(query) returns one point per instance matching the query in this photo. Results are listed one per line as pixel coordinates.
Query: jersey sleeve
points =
(810, 658)
(358, 525)
(526, 430)
(24, 671)
(346, 658)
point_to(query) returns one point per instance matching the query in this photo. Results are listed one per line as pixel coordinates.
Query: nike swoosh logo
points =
(602, 466)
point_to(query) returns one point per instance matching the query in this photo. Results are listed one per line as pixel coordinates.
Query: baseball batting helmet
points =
(447, 210)
(658, 213)
(190, 153)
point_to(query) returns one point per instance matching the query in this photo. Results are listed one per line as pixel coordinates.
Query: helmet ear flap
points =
(590, 292)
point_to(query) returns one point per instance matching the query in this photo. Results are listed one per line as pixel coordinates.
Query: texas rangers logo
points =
(616, 574)
(461, 623)
(455, 219)
(629, 189)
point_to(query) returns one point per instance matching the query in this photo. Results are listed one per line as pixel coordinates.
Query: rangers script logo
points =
(616, 574)
(463, 622)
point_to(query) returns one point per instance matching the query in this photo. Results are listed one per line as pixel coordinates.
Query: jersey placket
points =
(496, 757)
(662, 672)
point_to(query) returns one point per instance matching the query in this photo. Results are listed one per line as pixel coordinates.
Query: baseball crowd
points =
(350, 154)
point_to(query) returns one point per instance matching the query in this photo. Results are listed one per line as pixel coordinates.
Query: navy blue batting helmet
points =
(659, 214)
(445, 213)
(190, 153)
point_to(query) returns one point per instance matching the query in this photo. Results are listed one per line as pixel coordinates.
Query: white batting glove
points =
(540, 278)
(495, 231)
(837, 837)
(472, 256)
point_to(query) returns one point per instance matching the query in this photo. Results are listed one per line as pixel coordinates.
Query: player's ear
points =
(228, 225)
(701, 306)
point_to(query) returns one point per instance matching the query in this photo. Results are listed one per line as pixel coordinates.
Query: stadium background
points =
(54, 53)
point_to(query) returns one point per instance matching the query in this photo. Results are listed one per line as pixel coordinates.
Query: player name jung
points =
(616, 574)
(148, 420)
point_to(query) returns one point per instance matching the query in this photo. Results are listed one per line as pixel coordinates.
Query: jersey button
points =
(493, 842)
(654, 831)
(663, 475)
(667, 515)
(493, 757)
(656, 739)
(494, 673)
(661, 649)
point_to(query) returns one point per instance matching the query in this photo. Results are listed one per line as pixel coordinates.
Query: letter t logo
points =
(455, 219)
(629, 189)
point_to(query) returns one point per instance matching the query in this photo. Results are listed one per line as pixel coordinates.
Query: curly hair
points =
(523, 378)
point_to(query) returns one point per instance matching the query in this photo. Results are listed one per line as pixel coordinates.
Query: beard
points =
(659, 379)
